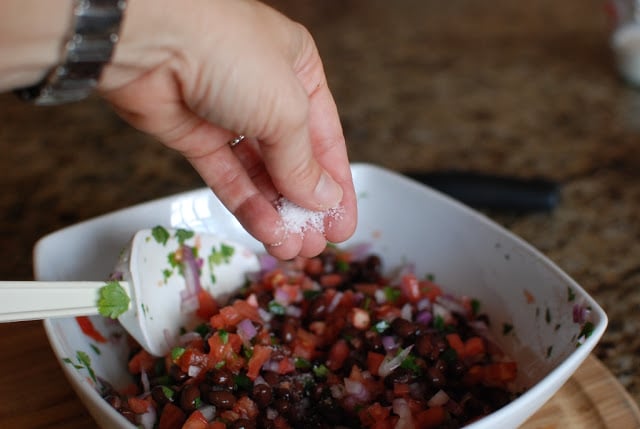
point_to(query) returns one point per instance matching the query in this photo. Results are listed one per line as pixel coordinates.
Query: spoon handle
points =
(32, 300)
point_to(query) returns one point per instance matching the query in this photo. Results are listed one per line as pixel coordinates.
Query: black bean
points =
(272, 378)
(403, 328)
(242, 424)
(190, 398)
(374, 341)
(400, 376)
(436, 377)
(163, 394)
(261, 395)
(424, 347)
(222, 399)
(177, 374)
(114, 401)
(283, 406)
(221, 379)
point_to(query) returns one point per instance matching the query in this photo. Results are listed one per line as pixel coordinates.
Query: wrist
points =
(27, 52)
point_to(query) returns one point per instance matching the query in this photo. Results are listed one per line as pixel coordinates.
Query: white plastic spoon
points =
(161, 270)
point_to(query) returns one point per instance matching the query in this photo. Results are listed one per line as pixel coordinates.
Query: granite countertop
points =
(508, 88)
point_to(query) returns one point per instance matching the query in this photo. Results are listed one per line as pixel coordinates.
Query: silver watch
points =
(94, 34)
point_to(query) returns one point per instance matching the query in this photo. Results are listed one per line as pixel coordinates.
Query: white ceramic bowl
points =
(404, 221)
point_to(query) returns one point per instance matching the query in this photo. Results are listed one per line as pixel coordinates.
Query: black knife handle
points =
(493, 192)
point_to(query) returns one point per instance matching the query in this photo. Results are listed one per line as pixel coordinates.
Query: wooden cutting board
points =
(592, 399)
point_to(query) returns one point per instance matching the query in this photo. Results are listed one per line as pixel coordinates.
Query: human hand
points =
(198, 73)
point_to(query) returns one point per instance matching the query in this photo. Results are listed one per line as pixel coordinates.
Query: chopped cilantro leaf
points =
(85, 360)
(311, 294)
(411, 364)
(176, 352)
(183, 235)
(202, 329)
(220, 364)
(112, 300)
(160, 234)
(302, 363)
(438, 323)
(320, 371)
(276, 308)
(549, 351)
(587, 330)
(547, 315)
(224, 336)
(243, 382)
(381, 326)
(342, 266)
(391, 294)
(168, 392)
(571, 295)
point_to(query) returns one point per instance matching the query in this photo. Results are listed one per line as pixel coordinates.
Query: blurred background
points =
(517, 89)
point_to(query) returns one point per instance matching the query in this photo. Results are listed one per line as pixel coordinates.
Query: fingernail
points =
(328, 193)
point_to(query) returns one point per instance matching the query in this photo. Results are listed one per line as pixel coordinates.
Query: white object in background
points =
(157, 290)
(625, 38)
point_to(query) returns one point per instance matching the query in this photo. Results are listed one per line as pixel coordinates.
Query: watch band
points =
(94, 34)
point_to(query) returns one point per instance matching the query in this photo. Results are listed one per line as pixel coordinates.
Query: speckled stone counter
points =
(524, 89)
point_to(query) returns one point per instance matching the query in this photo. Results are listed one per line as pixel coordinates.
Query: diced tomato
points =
(430, 418)
(456, 343)
(217, 425)
(304, 344)
(142, 361)
(314, 266)
(373, 362)
(196, 420)
(246, 408)
(130, 389)
(172, 417)
(499, 373)
(337, 355)
(474, 346)
(192, 357)
(332, 280)
(260, 355)
(231, 315)
(225, 349)
(87, 328)
(286, 366)
(400, 389)
(208, 306)
(138, 405)
(430, 290)
(410, 287)
(372, 414)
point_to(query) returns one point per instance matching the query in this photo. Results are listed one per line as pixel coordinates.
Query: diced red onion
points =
(144, 379)
(267, 262)
(389, 363)
(271, 413)
(148, 419)
(401, 408)
(188, 337)
(281, 296)
(337, 391)
(335, 301)
(406, 312)
(208, 412)
(189, 296)
(264, 314)
(580, 313)
(380, 296)
(389, 343)
(293, 311)
(440, 398)
(452, 304)
(439, 310)
(193, 370)
(271, 365)
(171, 341)
(423, 304)
(424, 317)
(355, 388)
(246, 331)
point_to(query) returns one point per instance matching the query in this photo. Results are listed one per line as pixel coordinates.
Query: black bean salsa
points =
(325, 342)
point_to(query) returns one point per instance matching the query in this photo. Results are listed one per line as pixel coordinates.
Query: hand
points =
(197, 73)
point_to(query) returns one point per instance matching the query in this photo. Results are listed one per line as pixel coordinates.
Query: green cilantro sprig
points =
(113, 300)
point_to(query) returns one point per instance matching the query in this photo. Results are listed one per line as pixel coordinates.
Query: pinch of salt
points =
(297, 219)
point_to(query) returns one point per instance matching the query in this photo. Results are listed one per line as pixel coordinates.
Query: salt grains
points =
(297, 219)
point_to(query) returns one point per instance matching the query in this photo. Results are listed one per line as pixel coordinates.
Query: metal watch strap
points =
(95, 29)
